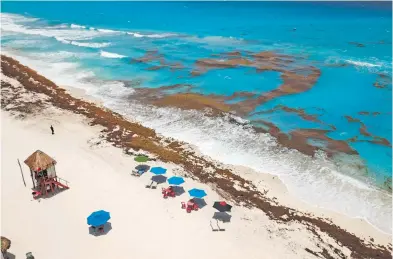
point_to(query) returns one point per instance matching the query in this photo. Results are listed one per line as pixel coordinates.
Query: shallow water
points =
(90, 45)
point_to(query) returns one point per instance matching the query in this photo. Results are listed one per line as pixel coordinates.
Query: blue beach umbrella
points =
(98, 218)
(197, 193)
(158, 170)
(175, 180)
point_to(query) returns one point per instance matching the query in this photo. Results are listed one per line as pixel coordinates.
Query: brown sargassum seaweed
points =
(121, 133)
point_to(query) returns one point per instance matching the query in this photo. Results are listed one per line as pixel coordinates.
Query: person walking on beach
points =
(52, 129)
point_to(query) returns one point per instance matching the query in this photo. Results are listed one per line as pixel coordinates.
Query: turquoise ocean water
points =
(89, 45)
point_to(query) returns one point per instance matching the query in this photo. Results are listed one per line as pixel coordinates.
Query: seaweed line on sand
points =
(129, 135)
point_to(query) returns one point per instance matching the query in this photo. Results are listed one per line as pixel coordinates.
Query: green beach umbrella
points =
(141, 159)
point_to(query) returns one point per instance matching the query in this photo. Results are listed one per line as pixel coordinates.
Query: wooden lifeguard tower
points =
(43, 174)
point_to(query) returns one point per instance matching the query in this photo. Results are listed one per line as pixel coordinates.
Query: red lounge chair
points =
(166, 193)
(189, 209)
(171, 193)
(36, 194)
(183, 205)
(195, 207)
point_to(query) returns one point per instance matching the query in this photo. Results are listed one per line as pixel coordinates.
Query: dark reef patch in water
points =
(369, 113)
(357, 44)
(307, 141)
(351, 119)
(155, 56)
(364, 132)
(298, 111)
(126, 135)
(382, 81)
(191, 101)
(297, 77)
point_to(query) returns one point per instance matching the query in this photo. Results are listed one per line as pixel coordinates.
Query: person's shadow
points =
(222, 216)
(157, 179)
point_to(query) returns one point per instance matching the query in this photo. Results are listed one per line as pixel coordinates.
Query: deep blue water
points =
(48, 36)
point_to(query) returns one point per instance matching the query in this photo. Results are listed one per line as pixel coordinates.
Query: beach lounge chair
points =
(211, 225)
(171, 192)
(168, 192)
(163, 191)
(36, 194)
(183, 205)
(136, 173)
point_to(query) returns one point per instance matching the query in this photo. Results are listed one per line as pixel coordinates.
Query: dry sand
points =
(144, 225)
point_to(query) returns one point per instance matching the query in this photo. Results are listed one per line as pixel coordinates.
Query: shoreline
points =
(249, 195)
(280, 193)
(357, 198)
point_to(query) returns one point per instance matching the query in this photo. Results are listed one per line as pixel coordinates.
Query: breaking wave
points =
(216, 40)
(64, 73)
(216, 137)
(368, 64)
(106, 54)
(108, 31)
(76, 26)
(154, 35)
(84, 44)
(11, 24)
(362, 64)
(238, 144)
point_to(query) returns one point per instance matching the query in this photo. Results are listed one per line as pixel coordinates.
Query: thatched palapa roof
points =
(39, 160)
(5, 244)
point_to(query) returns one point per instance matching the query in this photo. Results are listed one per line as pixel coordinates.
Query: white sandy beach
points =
(144, 225)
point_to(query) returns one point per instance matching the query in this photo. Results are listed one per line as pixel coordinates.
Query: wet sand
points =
(329, 239)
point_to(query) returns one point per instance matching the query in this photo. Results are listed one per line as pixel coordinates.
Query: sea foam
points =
(239, 145)
(83, 44)
(362, 64)
(154, 35)
(11, 23)
(106, 54)
(76, 26)
(218, 138)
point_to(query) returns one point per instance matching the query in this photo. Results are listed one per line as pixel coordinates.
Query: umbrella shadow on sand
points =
(95, 232)
(157, 179)
(222, 216)
(179, 190)
(142, 167)
(200, 202)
